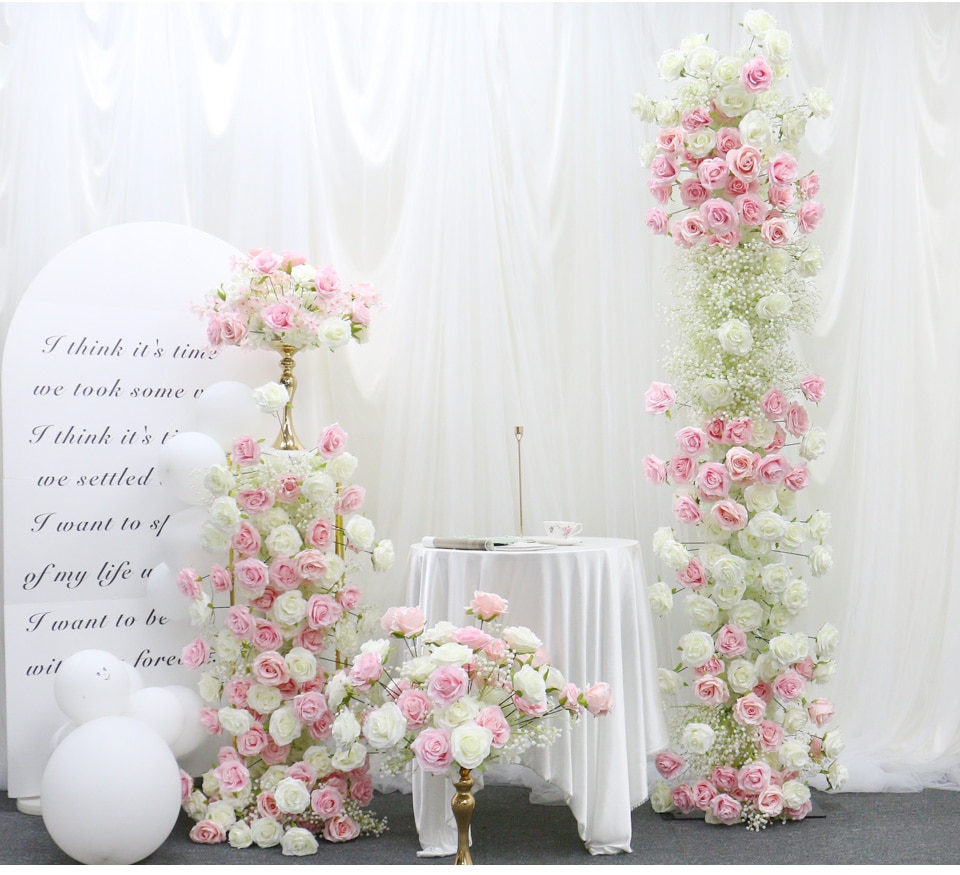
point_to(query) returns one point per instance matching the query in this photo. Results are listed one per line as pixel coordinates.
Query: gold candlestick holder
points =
(518, 431)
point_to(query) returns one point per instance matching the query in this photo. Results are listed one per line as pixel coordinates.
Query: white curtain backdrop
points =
(479, 164)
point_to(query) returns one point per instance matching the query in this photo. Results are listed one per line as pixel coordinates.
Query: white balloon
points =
(91, 684)
(62, 733)
(111, 792)
(180, 545)
(226, 410)
(193, 734)
(162, 593)
(136, 681)
(184, 461)
(159, 709)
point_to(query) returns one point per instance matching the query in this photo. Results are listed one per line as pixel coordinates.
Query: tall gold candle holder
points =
(518, 431)
(463, 804)
(287, 439)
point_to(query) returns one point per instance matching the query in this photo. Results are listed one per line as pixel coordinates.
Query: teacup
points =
(562, 528)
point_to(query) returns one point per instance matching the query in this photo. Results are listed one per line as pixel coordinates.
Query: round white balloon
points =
(159, 709)
(226, 410)
(136, 681)
(180, 543)
(91, 684)
(193, 733)
(62, 733)
(162, 593)
(183, 463)
(111, 792)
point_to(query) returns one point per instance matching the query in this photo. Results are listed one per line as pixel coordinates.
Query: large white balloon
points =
(183, 463)
(181, 546)
(193, 733)
(162, 593)
(226, 410)
(111, 792)
(159, 709)
(91, 684)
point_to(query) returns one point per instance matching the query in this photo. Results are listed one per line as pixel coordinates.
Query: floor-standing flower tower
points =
(749, 731)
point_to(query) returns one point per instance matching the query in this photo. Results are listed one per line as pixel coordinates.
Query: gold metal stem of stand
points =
(463, 804)
(518, 431)
(340, 544)
(287, 439)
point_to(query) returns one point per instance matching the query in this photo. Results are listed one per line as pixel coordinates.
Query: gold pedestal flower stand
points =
(287, 439)
(463, 804)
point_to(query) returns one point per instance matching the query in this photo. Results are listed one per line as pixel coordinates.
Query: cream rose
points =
(675, 555)
(529, 683)
(774, 306)
(760, 497)
(289, 608)
(735, 337)
(733, 100)
(794, 755)
(788, 648)
(670, 65)
(741, 675)
(813, 443)
(235, 720)
(726, 71)
(757, 22)
(335, 332)
(666, 114)
(660, 597)
(828, 640)
(360, 531)
(383, 556)
(821, 560)
(292, 796)
(298, 842)
(661, 799)
(348, 759)
(384, 726)
(796, 596)
(271, 397)
(696, 648)
(715, 393)
(284, 540)
(285, 728)
(820, 103)
(775, 577)
(342, 467)
(669, 681)
(698, 738)
(219, 481)
(795, 794)
(301, 664)
(747, 614)
(777, 46)
(264, 699)
(346, 729)
(240, 835)
(703, 612)
(470, 744)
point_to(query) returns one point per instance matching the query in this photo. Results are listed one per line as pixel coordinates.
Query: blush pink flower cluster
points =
(456, 697)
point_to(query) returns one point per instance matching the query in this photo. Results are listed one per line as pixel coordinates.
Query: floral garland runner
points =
(748, 742)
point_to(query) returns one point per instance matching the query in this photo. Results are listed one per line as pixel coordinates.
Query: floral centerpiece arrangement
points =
(272, 300)
(454, 697)
(276, 621)
(748, 733)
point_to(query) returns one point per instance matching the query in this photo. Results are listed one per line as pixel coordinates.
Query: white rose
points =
(669, 681)
(747, 615)
(755, 129)
(335, 332)
(240, 835)
(272, 776)
(700, 143)
(691, 42)
(647, 152)
(643, 106)
(346, 729)
(715, 392)
(200, 610)
(457, 713)
(219, 480)
(209, 687)
(726, 71)
(292, 796)
(728, 569)
(774, 306)
(670, 65)
(319, 758)
(380, 646)
(228, 646)
(759, 497)
(775, 577)
(383, 556)
(757, 22)
(660, 597)
(212, 539)
(777, 46)
(701, 61)
(285, 728)
(470, 744)
(733, 100)
(728, 595)
(264, 699)
(196, 804)
(788, 648)
(271, 397)
(301, 664)
(768, 668)
(696, 648)
(318, 486)
(698, 738)
(821, 560)
(819, 524)
(794, 755)
(796, 596)
(735, 337)
(273, 518)
(823, 671)
(284, 540)
(779, 618)
(521, 639)
(348, 759)
(335, 568)
(225, 514)
(795, 793)
(692, 92)
(751, 546)
(661, 536)
(820, 103)
(360, 531)
(837, 776)
(810, 261)
(289, 608)
(266, 832)
(767, 525)
(666, 114)
(813, 443)
(675, 555)
(529, 683)
(795, 535)
(792, 127)
(384, 726)
(661, 799)
(342, 467)
(235, 720)
(553, 678)
(418, 669)
(832, 744)
(298, 842)
(741, 675)
(703, 612)
(453, 653)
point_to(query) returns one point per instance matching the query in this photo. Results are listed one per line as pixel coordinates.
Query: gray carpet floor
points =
(856, 828)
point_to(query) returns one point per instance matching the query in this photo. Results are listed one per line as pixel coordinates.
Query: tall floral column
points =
(749, 731)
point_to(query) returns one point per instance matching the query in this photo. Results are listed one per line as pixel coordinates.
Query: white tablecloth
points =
(588, 604)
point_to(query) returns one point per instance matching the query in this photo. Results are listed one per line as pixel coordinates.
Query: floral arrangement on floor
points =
(276, 621)
(748, 734)
(273, 299)
(454, 697)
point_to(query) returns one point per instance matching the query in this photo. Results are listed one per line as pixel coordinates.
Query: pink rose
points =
(232, 775)
(798, 478)
(658, 221)
(783, 169)
(812, 388)
(327, 282)
(788, 685)
(774, 230)
(769, 736)
(780, 196)
(196, 653)
(799, 813)
(207, 832)
(349, 597)
(660, 190)
(805, 668)
(745, 163)
(321, 728)
(265, 601)
(691, 441)
(796, 420)
(570, 698)
(693, 576)
(741, 463)
(664, 168)
(251, 742)
(266, 635)
(713, 173)
(711, 666)
(695, 119)
(754, 777)
(756, 75)
(251, 575)
(186, 785)
(738, 431)
(728, 139)
(246, 540)
(750, 209)
(313, 640)
(670, 141)
(487, 605)
(350, 500)
(599, 699)
(690, 230)
(731, 641)
(403, 622)
(729, 240)
(711, 690)
(714, 429)
(280, 317)
(233, 331)
(820, 711)
(764, 691)
(274, 754)
(686, 510)
(774, 402)
(809, 186)
(264, 261)
(188, 582)
(245, 451)
(683, 798)
(659, 398)
(290, 260)
(239, 620)
(214, 324)
(492, 718)
(496, 650)
(654, 469)
(725, 809)
(333, 441)
(319, 533)
(779, 439)
(220, 579)
(749, 710)
(736, 187)
(682, 468)
(415, 707)
(713, 481)
(472, 637)
(361, 789)
(327, 802)
(312, 564)
(432, 750)
(210, 721)
(283, 574)
(366, 670)
(341, 829)
(719, 215)
(703, 793)
(270, 668)
(729, 514)
(310, 706)
(724, 778)
(255, 501)
(668, 764)
(772, 469)
(693, 193)
(809, 216)
(447, 684)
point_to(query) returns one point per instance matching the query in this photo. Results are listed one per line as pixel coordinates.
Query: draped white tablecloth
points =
(588, 604)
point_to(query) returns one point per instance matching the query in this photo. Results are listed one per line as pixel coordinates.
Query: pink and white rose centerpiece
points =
(748, 731)
(453, 697)
(273, 299)
(275, 622)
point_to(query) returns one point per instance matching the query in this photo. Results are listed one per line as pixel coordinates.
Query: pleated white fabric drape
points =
(479, 164)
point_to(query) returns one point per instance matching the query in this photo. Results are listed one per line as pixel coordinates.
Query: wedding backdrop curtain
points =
(478, 163)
